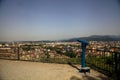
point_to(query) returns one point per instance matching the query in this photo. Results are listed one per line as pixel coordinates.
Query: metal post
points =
(18, 53)
(116, 62)
(83, 55)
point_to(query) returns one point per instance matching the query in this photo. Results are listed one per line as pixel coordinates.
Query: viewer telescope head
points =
(83, 41)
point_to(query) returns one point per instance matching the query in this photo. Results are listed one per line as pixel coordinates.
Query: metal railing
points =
(105, 61)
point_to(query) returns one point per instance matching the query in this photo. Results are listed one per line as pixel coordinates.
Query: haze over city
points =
(57, 19)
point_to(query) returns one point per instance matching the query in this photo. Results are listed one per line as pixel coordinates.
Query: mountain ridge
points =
(97, 38)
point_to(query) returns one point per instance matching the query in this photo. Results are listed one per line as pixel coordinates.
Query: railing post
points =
(18, 53)
(116, 62)
(116, 66)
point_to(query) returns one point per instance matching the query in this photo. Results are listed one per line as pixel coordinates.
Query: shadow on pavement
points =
(74, 66)
(75, 78)
(87, 76)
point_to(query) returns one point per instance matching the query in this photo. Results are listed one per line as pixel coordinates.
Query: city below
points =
(56, 49)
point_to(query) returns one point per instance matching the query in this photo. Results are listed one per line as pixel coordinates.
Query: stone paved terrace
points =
(23, 70)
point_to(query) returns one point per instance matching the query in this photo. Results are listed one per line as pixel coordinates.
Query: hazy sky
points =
(58, 19)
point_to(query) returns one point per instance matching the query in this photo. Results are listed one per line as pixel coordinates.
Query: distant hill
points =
(97, 38)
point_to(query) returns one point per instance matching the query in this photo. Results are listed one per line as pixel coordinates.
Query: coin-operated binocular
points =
(83, 60)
